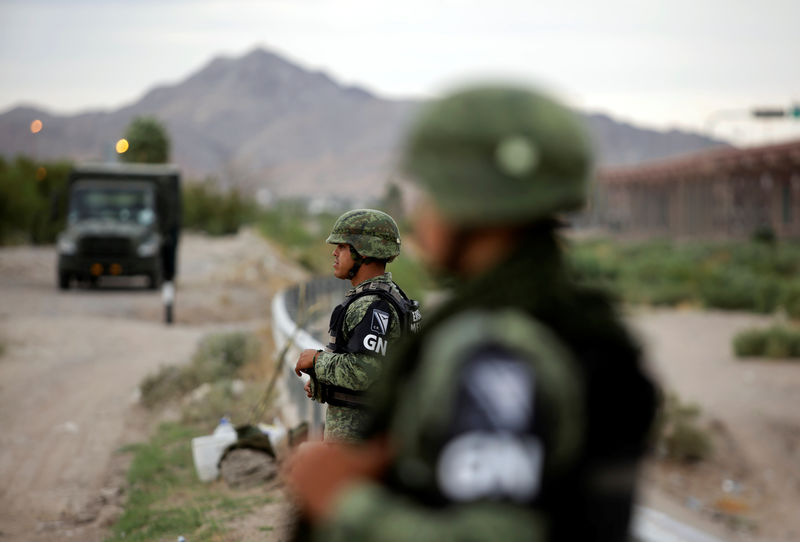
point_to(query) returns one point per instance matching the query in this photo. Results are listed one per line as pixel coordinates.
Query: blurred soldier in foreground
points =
(364, 328)
(520, 411)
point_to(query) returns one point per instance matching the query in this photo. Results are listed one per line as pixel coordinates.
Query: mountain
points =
(620, 144)
(261, 121)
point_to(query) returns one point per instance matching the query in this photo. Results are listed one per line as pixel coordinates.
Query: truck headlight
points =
(148, 248)
(67, 246)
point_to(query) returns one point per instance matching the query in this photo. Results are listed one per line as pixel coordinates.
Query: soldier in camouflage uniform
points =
(363, 328)
(520, 411)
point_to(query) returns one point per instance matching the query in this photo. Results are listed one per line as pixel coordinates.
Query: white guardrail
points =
(304, 304)
(320, 296)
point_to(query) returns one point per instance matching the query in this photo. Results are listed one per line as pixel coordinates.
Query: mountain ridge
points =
(261, 121)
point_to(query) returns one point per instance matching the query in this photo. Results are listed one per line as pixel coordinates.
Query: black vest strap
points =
(339, 396)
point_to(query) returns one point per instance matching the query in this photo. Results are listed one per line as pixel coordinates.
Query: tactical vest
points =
(409, 318)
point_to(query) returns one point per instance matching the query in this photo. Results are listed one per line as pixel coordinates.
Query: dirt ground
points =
(73, 360)
(72, 364)
(750, 488)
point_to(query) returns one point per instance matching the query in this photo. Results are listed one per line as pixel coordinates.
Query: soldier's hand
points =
(318, 472)
(307, 389)
(305, 361)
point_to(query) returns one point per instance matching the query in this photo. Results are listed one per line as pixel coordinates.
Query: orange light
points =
(122, 145)
(96, 269)
(41, 173)
(36, 126)
(115, 269)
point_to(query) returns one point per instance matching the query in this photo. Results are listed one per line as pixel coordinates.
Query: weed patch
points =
(301, 234)
(165, 499)
(223, 398)
(679, 434)
(748, 276)
(774, 342)
(218, 357)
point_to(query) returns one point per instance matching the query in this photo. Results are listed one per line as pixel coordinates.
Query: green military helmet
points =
(499, 155)
(372, 233)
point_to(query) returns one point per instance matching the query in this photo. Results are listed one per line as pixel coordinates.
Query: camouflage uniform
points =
(520, 410)
(357, 363)
(360, 338)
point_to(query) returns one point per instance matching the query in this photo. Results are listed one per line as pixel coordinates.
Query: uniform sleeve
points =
(368, 512)
(370, 329)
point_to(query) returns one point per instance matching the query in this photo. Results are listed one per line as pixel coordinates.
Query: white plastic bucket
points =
(207, 451)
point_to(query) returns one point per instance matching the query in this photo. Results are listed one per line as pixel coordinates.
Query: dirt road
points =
(72, 363)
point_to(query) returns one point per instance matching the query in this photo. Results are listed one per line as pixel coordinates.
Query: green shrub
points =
(221, 355)
(165, 500)
(32, 200)
(774, 342)
(170, 382)
(679, 434)
(750, 276)
(300, 233)
(790, 299)
(749, 343)
(767, 295)
(292, 226)
(736, 289)
(728, 289)
(779, 343)
(216, 212)
(764, 234)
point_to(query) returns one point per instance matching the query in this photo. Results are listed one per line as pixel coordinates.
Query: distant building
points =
(721, 193)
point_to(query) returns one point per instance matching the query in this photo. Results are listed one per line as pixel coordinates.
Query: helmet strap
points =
(357, 262)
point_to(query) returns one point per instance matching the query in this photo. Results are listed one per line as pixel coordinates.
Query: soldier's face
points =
(433, 234)
(342, 261)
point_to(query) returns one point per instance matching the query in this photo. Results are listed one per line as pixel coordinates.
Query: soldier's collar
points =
(384, 278)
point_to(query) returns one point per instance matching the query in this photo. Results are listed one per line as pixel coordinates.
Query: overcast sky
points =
(690, 64)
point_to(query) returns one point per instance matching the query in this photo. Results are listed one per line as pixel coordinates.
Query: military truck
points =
(122, 220)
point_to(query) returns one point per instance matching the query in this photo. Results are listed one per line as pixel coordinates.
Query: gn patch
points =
(489, 465)
(380, 322)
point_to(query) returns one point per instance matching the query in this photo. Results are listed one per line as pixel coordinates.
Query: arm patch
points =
(494, 452)
(372, 333)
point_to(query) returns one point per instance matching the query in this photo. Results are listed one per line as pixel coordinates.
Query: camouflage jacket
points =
(370, 327)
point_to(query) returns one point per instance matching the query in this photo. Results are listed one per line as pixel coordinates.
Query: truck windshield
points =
(122, 201)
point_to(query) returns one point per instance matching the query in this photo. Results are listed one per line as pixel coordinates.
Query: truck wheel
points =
(63, 280)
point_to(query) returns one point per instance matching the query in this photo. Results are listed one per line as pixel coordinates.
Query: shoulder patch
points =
(380, 321)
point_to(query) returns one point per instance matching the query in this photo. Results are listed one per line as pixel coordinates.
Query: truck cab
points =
(122, 220)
